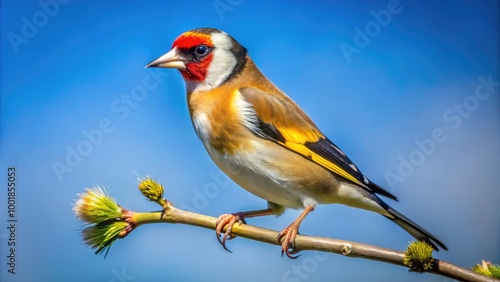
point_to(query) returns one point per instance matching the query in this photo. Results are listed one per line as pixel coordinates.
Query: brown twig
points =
(172, 214)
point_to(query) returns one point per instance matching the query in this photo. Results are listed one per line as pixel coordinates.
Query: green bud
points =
(488, 269)
(152, 190)
(418, 257)
(101, 236)
(95, 206)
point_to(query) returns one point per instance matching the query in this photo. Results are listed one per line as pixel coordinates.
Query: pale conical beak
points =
(170, 60)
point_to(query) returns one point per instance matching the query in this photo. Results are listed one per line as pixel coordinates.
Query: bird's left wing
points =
(277, 118)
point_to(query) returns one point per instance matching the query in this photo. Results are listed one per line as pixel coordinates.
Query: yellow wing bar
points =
(306, 152)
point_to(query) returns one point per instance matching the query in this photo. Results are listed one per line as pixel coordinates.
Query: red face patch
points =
(190, 39)
(194, 70)
(197, 71)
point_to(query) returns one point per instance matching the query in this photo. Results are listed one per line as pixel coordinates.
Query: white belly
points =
(249, 169)
(259, 174)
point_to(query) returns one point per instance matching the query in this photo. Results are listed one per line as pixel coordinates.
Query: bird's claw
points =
(229, 220)
(287, 239)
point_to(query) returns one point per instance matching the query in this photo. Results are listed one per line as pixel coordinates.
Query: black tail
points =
(414, 229)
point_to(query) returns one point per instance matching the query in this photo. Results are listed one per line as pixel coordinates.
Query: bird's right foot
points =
(227, 220)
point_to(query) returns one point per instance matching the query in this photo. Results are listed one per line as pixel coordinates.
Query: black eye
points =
(201, 50)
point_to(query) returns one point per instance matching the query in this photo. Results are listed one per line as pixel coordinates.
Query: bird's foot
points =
(227, 220)
(287, 239)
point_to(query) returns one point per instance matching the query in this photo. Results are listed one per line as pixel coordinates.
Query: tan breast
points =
(216, 120)
(215, 115)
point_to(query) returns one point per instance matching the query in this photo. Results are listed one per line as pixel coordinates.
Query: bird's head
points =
(206, 58)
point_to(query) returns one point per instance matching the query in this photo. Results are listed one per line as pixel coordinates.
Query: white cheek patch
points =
(223, 63)
(221, 67)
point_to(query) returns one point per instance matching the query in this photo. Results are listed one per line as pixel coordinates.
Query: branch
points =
(109, 222)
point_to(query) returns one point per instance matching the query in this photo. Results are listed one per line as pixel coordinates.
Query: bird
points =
(261, 139)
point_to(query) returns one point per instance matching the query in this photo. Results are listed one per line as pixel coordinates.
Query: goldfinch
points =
(264, 141)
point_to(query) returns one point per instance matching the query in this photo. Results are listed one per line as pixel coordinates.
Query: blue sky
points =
(404, 105)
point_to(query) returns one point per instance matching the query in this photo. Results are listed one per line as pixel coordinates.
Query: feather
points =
(282, 121)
